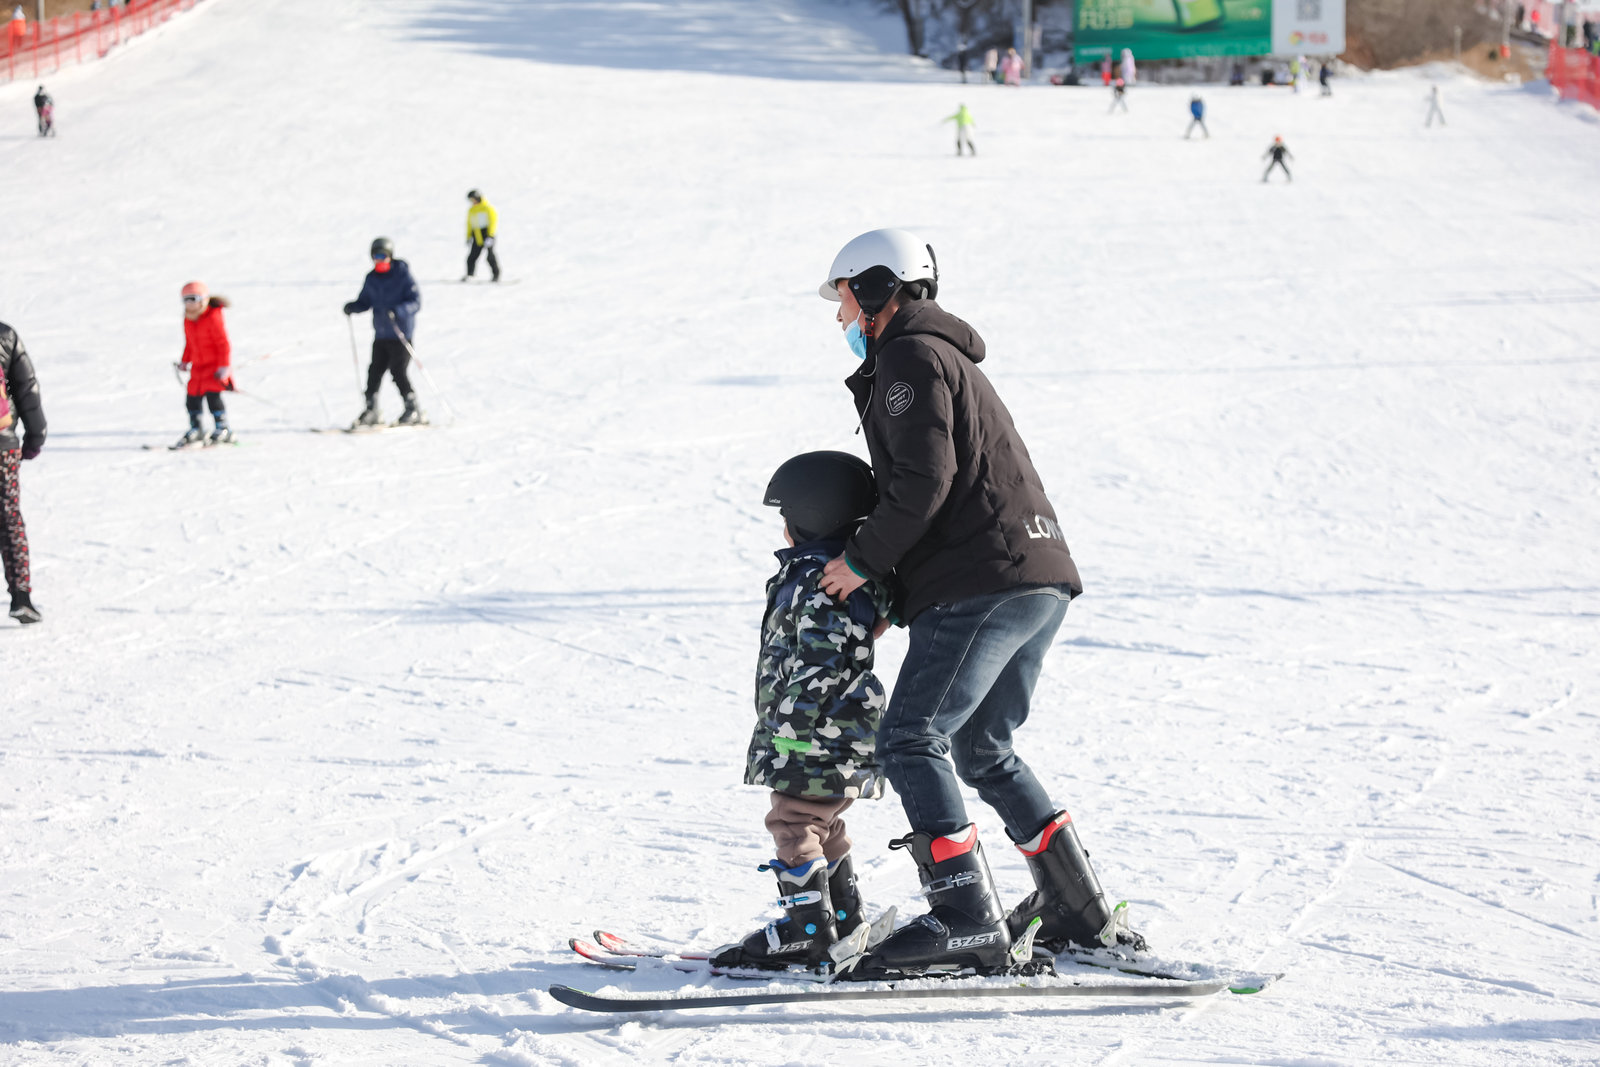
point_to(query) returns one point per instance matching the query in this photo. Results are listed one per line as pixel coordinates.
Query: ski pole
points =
(355, 360)
(422, 367)
(268, 355)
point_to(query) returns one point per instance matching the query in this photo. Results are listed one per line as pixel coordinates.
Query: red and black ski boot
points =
(1069, 902)
(965, 927)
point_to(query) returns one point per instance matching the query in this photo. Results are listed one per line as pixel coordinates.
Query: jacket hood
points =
(927, 317)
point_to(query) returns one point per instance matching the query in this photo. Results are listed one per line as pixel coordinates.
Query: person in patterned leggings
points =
(18, 400)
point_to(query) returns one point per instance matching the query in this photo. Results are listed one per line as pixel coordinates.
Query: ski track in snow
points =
(329, 742)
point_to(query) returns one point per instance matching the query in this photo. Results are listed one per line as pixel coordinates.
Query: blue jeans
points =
(964, 688)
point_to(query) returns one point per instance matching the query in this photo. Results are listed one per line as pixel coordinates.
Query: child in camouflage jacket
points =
(817, 706)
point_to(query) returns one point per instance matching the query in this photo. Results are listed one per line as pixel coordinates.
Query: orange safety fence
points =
(31, 49)
(1575, 74)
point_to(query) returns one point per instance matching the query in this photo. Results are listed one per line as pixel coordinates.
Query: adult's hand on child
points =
(223, 372)
(838, 580)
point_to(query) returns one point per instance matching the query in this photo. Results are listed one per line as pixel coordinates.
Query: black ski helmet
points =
(473, 194)
(382, 246)
(821, 493)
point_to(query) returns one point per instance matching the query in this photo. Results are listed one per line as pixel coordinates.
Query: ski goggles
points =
(191, 298)
(379, 257)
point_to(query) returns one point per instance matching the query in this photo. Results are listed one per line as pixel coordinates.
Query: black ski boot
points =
(22, 609)
(370, 416)
(412, 415)
(805, 933)
(845, 897)
(966, 925)
(1069, 901)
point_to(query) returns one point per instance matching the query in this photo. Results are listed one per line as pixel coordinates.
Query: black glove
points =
(30, 451)
(350, 308)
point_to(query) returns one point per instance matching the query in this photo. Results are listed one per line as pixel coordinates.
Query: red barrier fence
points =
(34, 49)
(1575, 74)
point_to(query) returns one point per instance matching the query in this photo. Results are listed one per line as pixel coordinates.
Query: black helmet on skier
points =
(382, 248)
(822, 493)
(880, 263)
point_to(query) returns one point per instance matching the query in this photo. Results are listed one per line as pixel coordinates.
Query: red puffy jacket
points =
(206, 350)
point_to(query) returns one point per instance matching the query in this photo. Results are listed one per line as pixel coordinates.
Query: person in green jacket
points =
(964, 123)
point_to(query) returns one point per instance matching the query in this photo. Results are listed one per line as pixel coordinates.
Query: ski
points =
(700, 965)
(375, 428)
(938, 990)
(617, 945)
(197, 446)
(618, 953)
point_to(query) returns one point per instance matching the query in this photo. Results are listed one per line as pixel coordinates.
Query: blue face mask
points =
(856, 339)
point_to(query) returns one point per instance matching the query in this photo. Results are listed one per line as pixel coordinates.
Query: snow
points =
(328, 744)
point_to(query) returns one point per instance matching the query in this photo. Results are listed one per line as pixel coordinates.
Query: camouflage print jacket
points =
(817, 701)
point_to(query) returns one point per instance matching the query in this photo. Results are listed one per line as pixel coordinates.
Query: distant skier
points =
(207, 357)
(1197, 108)
(482, 222)
(1296, 66)
(1322, 78)
(991, 65)
(19, 398)
(17, 32)
(1434, 108)
(1119, 96)
(1105, 71)
(1011, 67)
(964, 124)
(390, 293)
(44, 109)
(1130, 70)
(1279, 152)
(961, 57)
(818, 706)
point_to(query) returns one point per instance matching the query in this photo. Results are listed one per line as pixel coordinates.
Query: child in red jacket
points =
(206, 357)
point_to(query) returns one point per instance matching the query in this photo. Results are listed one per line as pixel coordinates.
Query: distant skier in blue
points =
(390, 293)
(1197, 108)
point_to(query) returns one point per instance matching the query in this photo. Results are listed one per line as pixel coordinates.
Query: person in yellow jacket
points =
(964, 123)
(482, 221)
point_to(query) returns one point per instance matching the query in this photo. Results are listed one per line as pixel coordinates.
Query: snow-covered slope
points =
(328, 744)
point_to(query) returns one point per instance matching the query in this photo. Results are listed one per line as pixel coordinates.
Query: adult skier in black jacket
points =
(21, 403)
(965, 529)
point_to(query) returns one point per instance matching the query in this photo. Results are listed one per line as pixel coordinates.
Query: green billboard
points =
(1173, 29)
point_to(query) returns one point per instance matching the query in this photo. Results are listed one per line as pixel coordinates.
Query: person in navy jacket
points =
(390, 293)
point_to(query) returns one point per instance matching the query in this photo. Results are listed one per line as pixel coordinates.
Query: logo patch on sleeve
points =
(898, 398)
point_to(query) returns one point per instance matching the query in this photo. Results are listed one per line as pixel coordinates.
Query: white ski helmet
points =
(903, 254)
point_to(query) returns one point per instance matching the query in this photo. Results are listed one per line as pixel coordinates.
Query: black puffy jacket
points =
(23, 390)
(961, 511)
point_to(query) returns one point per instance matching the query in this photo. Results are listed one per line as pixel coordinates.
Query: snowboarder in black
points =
(19, 398)
(44, 108)
(390, 293)
(1279, 152)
